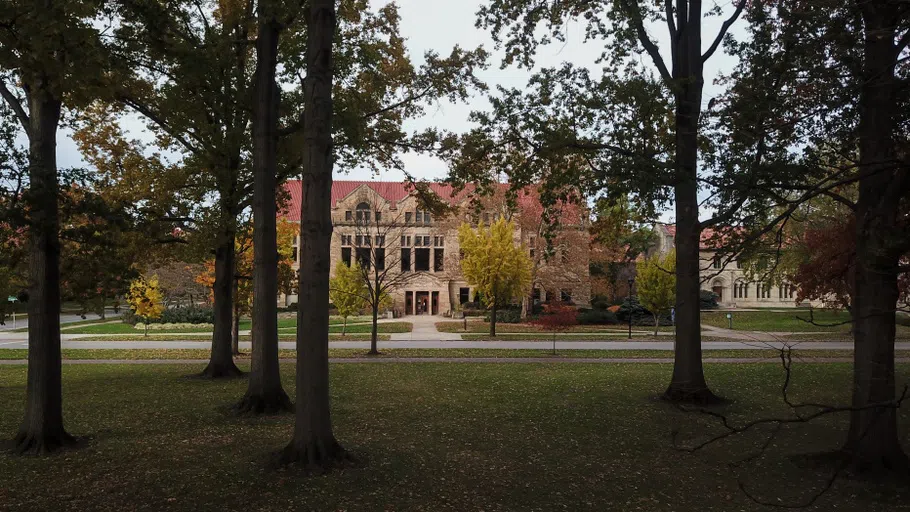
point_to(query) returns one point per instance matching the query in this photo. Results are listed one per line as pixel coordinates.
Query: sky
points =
(440, 25)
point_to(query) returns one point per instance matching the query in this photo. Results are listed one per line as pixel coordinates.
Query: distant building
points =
(427, 247)
(724, 276)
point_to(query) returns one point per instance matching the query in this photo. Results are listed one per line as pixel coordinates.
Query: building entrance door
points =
(434, 307)
(719, 291)
(422, 300)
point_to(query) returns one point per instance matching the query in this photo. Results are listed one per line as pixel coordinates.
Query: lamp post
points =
(631, 282)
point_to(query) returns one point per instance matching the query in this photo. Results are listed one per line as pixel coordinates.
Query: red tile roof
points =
(711, 239)
(394, 191)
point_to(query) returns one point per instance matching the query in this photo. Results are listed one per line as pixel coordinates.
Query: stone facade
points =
(420, 252)
(729, 281)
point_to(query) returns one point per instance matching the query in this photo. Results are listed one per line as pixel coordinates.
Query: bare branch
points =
(723, 30)
(15, 104)
(645, 40)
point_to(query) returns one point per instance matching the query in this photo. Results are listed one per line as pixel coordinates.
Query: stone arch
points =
(718, 286)
(741, 289)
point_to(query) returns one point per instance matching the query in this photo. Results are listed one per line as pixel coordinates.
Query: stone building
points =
(382, 225)
(727, 279)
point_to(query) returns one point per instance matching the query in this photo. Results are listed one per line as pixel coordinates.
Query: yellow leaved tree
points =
(491, 262)
(656, 280)
(146, 300)
(347, 291)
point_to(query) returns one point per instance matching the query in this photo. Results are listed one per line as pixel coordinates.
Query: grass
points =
(547, 336)
(284, 324)
(479, 327)
(171, 353)
(791, 321)
(208, 337)
(438, 437)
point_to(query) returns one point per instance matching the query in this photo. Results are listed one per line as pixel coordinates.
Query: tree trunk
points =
(688, 381)
(42, 429)
(265, 395)
(344, 328)
(872, 442)
(656, 324)
(221, 362)
(374, 329)
(314, 444)
(235, 328)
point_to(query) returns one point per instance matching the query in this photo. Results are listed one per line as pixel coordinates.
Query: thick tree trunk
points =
(881, 239)
(493, 319)
(221, 362)
(42, 429)
(314, 444)
(688, 381)
(235, 328)
(374, 329)
(265, 395)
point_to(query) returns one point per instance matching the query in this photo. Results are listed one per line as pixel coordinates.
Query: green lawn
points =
(289, 336)
(170, 353)
(546, 336)
(122, 328)
(385, 328)
(437, 437)
(484, 327)
(284, 324)
(797, 320)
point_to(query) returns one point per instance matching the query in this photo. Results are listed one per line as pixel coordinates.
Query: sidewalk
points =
(424, 329)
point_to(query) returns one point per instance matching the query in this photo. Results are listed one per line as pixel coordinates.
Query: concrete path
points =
(456, 344)
(497, 360)
(65, 318)
(424, 329)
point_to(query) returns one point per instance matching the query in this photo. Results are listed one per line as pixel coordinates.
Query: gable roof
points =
(711, 239)
(396, 191)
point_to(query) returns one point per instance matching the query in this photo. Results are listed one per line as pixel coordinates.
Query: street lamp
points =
(631, 282)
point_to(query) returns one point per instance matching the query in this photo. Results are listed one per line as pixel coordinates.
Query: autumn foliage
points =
(557, 317)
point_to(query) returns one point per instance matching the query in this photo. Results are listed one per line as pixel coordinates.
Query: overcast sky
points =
(441, 24)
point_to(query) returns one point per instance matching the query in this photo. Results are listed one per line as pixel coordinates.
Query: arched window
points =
(363, 212)
(786, 291)
(740, 290)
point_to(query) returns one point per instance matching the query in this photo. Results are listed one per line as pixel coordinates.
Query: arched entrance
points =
(718, 288)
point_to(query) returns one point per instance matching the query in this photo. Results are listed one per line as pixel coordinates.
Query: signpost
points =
(12, 299)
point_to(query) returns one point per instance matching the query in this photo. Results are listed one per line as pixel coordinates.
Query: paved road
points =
(427, 344)
(65, 318)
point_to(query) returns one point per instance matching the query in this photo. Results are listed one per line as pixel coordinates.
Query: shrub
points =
(161, 327)
(506, 316)
(188, 315)
(708, 299)
(178, 315)
(600, 302)
(596, 317)
(640, 315)
(903, 319)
